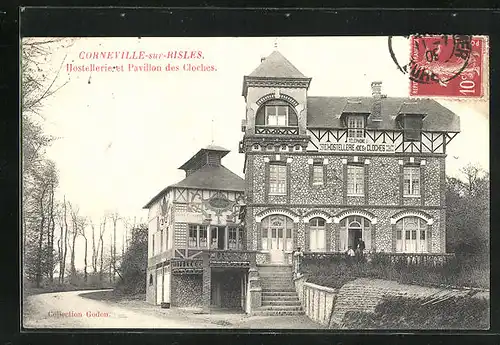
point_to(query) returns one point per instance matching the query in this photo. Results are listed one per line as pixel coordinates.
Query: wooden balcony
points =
(231, 258)
(187, 266)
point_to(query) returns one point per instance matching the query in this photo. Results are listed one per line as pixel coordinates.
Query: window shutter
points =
(266, 181)
(367, 237)
(343, 239)
(311, 174)
(324, 174)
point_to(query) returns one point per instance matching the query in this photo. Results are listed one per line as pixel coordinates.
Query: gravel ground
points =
(72, 310)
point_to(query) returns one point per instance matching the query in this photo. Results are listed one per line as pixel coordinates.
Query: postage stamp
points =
(447, 66)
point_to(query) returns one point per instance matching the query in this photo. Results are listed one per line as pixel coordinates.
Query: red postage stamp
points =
(447, 66)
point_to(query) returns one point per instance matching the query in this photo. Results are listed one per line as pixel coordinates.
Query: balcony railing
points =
(187, 266)
(276, 130)
(231, 258)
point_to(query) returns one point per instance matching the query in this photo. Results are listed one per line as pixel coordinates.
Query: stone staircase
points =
(278, 291)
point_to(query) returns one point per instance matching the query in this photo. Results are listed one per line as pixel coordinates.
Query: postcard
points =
(255, 182)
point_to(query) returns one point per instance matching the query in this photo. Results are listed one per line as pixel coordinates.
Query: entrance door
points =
(159, 286)
(354, 236)
(277, 248)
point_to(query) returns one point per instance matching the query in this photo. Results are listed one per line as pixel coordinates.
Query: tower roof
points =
(210, 148)
(276, 66)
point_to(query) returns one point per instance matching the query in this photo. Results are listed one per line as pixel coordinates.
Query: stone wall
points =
(186, 290)
(365, 294)
(151, 286)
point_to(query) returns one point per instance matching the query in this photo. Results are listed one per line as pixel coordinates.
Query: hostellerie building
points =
(320, 173)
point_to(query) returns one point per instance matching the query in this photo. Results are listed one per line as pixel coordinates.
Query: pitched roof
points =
(325, 112)
(276, 66)
(208, 177)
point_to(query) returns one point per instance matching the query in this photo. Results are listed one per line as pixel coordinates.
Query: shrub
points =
(407, 313)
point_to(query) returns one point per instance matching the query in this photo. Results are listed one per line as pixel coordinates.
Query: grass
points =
(337, 271)
(392, 313)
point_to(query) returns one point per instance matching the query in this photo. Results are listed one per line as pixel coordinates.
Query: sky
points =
(123, 135)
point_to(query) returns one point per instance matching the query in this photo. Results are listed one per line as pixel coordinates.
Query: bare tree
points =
(95, 250)
(83, 226)
(114, 218)
(102, 230)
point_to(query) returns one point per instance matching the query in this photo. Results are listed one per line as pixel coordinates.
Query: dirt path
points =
(46, 311)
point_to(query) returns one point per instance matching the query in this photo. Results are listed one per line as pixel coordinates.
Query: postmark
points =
(445, 66)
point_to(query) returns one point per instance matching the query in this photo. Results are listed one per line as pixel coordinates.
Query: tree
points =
(133, 267)
(114, 218)
(467, 213)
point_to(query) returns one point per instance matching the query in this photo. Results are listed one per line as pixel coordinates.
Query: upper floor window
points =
(277, 179)
(412, 126)
(276, 113)
(235, 238)
(355, 180)
(317, 176)
(197, 236)
(356, 126)
(411, 183)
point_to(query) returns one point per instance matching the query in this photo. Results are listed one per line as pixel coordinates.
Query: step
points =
(279, 298)
(274, 291)
(281, 303)
(280, 307)
(278, 312)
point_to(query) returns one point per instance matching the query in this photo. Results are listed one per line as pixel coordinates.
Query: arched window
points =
(411, 235)
(352, 229)
(317, 235)
(276, 113)
(277, 233)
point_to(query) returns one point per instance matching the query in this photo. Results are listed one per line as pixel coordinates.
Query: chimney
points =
(377, 101)
(262, 59)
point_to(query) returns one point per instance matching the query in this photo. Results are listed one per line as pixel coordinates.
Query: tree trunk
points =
(94, 259)
(40, 242)
(63, 272)
(52, 229)
(85, 267)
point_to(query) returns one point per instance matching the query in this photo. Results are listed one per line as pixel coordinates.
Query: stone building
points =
(322, 172)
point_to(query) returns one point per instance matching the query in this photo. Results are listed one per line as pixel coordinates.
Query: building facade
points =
(322, 172)
(198, 215)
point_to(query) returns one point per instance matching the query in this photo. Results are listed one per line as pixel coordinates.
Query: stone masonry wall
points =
(383, 198)
(365, 294)
(186, 290)
(151, 287)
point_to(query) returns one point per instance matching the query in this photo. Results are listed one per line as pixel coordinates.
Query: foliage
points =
(338, 270)
(134, 263)
(393, 313)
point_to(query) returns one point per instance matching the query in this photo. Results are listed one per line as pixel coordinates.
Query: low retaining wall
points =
(328, 306)
(317, 301)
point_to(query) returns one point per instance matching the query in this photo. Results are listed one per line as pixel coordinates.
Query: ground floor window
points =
(277, 233)
(317, 235)
(411, 235)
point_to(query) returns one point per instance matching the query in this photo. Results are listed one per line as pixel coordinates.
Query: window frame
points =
(318, 229)
(359, 128)
(414, 174)
(199, 228)
(318, 174)
(408, 132)
(412, 234)
(357, 181)
(278, 184)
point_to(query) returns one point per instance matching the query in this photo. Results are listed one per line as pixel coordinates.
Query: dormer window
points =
(412, 127)
(276, 113)
(356, 126)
